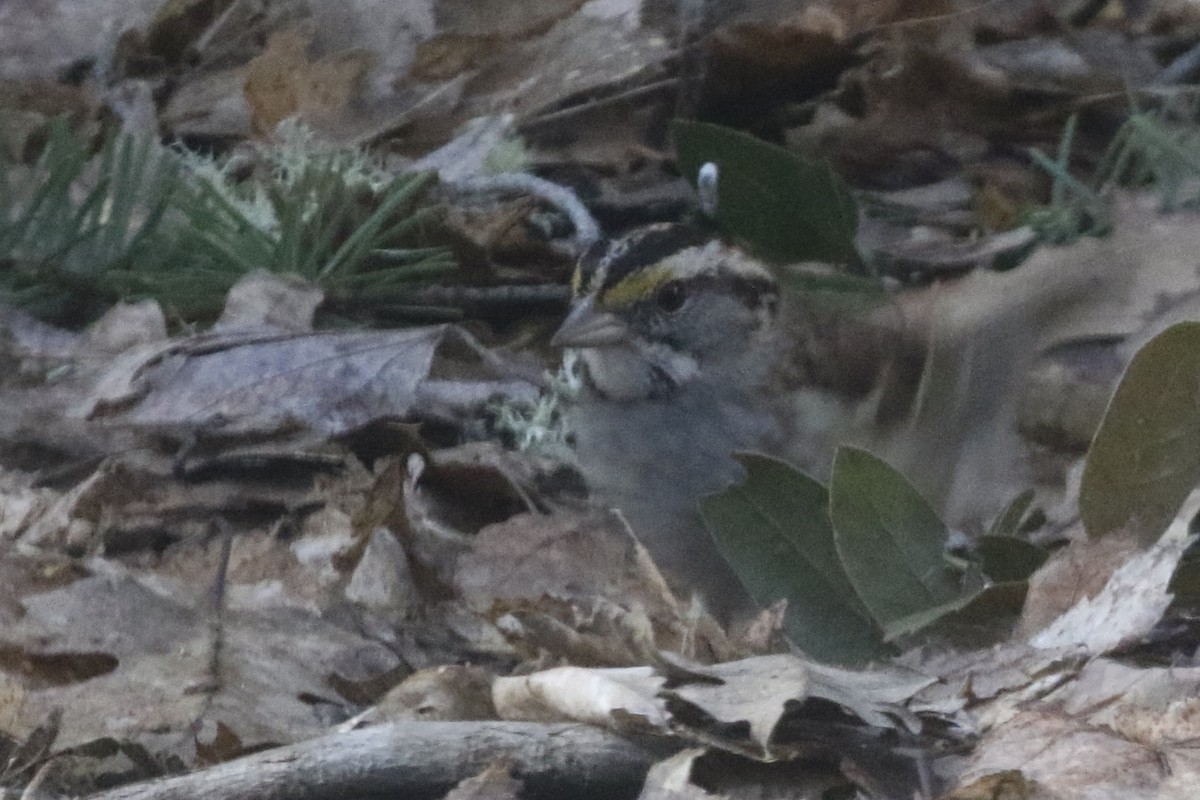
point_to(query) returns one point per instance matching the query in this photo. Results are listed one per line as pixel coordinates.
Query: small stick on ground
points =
(420, 760)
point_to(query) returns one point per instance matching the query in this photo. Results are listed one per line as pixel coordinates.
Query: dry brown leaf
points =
(284, 82)
(1092, 62)
(592, 632)
(579, 586)
(1000, 785)
(575, 88)
(754, 63)
(559, 555)
(564, 555)
(302, 571)
(449, 692)
(1064, 759)
(447, 56)
(470, 32)
(382, 579)
(132, 664)
(501, 18)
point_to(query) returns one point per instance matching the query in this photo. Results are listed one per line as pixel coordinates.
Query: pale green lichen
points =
(539, 427)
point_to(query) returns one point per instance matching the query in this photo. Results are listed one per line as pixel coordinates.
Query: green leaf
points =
(787, 207)
(774, 530)
(985, 612)
(1008, 558)
(890, 541)
(1185, 583)
(1145, 458)
(1009, 521)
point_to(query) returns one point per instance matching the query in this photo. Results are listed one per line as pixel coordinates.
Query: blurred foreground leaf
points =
(1145, 459)
(774, 530)
(787, 207)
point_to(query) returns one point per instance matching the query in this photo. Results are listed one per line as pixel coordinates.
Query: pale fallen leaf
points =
(1066, 759)
(1125, 610)
(127, 325)
(269, 383)
(1116, 731)
(755, 691)
(263, 300)
(671, 779)
(1071, 574)
(22, 505)
(583, 695)
(1157, 707)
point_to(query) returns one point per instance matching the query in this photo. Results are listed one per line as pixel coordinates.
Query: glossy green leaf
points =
(774, 530)
(1145, 459)
(890, 541)
(785, 206)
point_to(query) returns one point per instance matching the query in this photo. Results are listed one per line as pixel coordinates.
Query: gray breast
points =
(655, 459)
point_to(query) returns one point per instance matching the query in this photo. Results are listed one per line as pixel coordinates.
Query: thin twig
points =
(624, 96)
(587, 231)
(480, 300)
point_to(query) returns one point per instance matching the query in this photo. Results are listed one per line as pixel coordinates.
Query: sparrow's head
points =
(663, 308)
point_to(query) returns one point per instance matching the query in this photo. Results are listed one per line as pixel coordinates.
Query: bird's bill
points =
(587, 326)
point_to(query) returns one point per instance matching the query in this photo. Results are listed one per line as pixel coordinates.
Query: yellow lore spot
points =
(637, 286)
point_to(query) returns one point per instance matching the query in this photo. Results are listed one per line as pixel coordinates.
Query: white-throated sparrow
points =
(686, 361)
(692, 352)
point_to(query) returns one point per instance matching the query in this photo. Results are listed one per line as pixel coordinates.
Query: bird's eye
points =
(670, 296)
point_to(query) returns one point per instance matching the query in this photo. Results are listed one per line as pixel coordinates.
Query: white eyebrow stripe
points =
(713, 258)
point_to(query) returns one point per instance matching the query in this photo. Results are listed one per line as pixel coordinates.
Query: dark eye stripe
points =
(755, 292)
(645, 247)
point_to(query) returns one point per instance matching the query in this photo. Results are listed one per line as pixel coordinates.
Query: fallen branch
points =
(417, 760)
